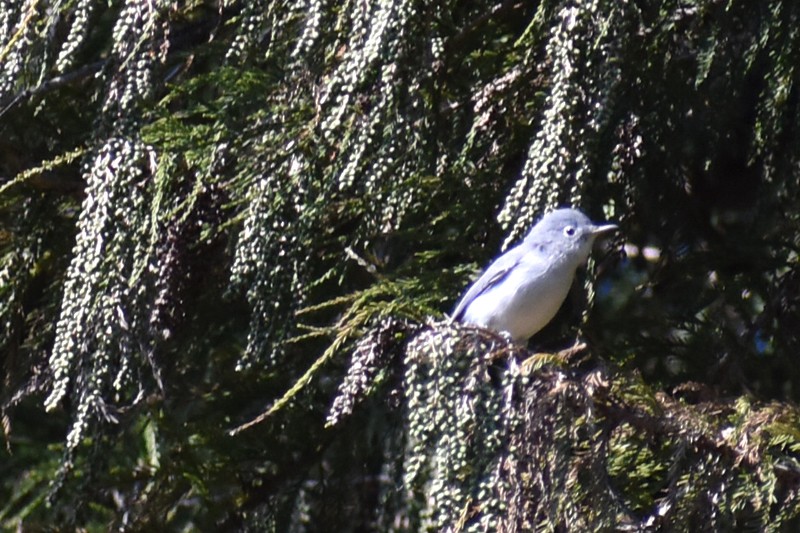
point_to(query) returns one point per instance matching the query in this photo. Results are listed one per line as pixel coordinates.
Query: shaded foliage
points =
(207, 206)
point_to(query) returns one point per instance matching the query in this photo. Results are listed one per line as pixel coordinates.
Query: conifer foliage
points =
(230, 232)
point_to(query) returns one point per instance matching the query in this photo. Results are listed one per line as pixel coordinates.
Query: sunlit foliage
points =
(230, 230)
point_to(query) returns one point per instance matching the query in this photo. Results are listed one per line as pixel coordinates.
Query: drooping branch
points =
(466, 388)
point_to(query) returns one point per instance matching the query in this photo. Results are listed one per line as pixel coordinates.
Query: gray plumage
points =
(522, 290)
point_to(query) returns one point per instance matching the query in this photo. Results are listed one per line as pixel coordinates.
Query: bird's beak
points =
(597, 230)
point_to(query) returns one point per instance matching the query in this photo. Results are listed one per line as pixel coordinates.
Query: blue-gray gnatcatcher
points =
(522, 290)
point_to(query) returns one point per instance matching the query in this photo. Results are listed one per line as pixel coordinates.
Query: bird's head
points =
(568, 233)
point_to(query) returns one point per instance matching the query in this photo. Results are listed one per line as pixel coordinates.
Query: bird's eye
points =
(569, 231)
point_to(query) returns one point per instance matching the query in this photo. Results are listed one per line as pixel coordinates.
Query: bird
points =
(521, 291)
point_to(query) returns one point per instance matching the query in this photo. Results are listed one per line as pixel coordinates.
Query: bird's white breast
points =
(521, 304)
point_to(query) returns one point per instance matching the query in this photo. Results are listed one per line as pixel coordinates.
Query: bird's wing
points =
(496, 272)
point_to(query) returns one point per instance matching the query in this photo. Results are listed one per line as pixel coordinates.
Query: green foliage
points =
(216, 215)
(492, 445)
